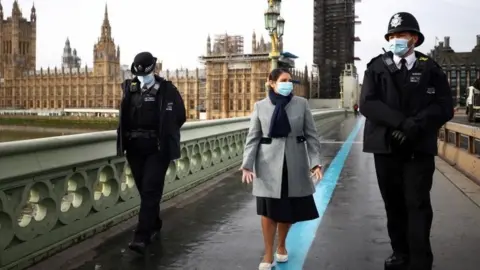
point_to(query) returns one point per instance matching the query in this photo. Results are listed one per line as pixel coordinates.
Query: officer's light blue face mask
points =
(284, 88)
(399, 46)
(146, 80)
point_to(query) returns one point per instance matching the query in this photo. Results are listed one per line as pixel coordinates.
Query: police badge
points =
(396, 21)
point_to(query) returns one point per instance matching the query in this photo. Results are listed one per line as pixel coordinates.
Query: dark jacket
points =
(172, 117)
(386, 106)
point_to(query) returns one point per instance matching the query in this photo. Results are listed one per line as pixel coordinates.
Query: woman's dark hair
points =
(275, 74)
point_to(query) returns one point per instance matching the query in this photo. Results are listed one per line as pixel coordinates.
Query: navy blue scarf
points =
(279, 124)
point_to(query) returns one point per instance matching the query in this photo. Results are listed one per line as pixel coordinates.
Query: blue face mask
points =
(284, 88)
(146, 80)
(399, 46)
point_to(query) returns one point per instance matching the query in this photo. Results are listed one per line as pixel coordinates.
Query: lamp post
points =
(275, 26)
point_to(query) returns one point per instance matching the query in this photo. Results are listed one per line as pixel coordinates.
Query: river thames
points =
(17, 133)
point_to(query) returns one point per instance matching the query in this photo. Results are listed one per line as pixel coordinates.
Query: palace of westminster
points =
(228, 85)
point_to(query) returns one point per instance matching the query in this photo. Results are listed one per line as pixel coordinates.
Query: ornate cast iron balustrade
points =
(55, 192)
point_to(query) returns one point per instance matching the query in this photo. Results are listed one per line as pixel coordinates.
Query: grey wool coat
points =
(264, 156)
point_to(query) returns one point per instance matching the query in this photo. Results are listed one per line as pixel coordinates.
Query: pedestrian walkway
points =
(220, 230)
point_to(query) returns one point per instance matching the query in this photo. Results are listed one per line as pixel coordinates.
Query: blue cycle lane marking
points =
(301, 235)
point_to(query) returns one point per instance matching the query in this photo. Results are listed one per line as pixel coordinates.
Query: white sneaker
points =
(281, 258)
(266, 266)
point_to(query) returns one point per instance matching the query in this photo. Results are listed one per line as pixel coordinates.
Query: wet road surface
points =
(219, 231)
(222, 231)
(353, 234)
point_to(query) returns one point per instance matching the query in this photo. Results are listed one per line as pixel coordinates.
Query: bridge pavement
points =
(463, 119)
(218, 228)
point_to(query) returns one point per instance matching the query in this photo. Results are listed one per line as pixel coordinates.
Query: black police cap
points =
(143, 64)
(404, 22)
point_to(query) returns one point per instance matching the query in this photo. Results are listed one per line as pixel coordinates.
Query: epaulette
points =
(374, 59)
(134, 87)
(126, 86)
(170, 85)
(426, 59)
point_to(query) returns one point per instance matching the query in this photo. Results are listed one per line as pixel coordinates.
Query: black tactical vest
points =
(411, 88)
(144, 111)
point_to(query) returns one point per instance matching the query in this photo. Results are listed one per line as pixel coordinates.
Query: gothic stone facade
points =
(228, 86)
(192, 84)
(17, 42)
(462, 68)
(234, 81)
(24, 87)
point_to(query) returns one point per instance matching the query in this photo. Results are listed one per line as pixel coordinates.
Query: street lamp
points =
(275, 25)
(271, 16)
(280, 26)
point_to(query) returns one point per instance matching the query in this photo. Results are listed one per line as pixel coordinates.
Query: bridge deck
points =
(221, 230)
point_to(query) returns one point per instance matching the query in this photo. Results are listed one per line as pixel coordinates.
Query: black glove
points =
(410, 128)
(399, 136)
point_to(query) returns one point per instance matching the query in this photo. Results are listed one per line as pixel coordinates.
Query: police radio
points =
(392, 68)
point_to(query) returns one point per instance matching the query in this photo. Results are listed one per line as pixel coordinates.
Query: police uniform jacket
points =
(425, 97)
(172, 116)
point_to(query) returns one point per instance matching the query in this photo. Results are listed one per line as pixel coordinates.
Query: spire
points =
(106, 29)
(105, 15)
(209, 45)
(16, 10)
(33, 13)
(254, 42)
(67, 50)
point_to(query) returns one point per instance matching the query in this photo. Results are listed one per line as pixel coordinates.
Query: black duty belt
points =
(144, 134)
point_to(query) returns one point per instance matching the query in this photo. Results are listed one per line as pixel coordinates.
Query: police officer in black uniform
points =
(405, 98)
(151, 115)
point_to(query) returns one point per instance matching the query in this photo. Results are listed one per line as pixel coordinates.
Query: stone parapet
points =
(55, 192)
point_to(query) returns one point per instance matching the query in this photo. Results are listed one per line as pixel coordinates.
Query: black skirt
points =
(287, 209)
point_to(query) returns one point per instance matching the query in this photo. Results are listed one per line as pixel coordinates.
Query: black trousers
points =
(149, 171)
(405, 185)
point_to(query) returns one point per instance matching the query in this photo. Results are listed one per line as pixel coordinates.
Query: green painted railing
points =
(55, 192)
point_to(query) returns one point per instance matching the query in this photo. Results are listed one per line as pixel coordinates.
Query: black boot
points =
(155, 236)
(396, 262)
(138, 246)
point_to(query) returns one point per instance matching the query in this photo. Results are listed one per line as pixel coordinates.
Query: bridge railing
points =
(459, 145)
(56, 191)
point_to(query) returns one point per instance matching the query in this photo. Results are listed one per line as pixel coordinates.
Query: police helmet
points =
(143, 64)
(404, 22)
(287, 60)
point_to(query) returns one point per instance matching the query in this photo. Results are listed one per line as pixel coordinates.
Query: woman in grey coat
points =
(281, 155)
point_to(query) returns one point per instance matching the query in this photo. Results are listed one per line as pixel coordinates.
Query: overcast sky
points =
(176, 30)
